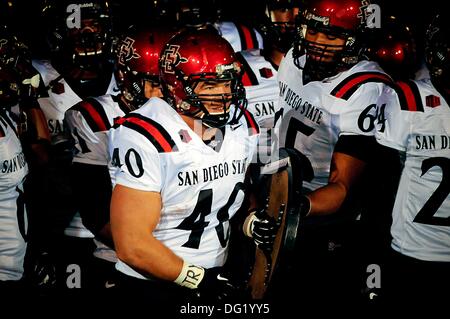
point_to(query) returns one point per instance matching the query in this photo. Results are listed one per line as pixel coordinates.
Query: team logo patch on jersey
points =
(432, 101)
(171, 58)
(266, 73)
(184, 135)
(127, 51)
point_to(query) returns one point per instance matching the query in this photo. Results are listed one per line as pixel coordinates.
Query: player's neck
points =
(276, 56)
(197, 126)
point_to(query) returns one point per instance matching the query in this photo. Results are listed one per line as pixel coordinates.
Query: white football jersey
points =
(418, 125)
(315, 114)
(59, 101)
(241, 37)
(13, 218)
(89, 122)
(261, 88)
(60, 98)
(201, 188)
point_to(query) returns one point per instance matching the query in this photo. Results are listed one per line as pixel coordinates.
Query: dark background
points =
(25, 14)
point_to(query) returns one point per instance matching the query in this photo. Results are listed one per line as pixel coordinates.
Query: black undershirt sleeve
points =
(93, 190)
(358, 146)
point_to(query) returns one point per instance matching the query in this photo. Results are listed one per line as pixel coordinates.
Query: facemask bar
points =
(236, 97)
(340, 56)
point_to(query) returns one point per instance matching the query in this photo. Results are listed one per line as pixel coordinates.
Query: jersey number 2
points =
(196, 223)
(426, 214)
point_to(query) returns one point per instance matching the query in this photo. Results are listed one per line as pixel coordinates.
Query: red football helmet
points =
(137, 61)
(395, 49)
(342, 19)
(193, 56)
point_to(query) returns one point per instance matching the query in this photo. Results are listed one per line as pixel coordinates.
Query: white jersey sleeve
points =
(89, 122)
(137, 159)
(394, 136)
(359, 116)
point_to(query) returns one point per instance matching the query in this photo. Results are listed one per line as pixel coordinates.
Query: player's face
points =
(152, 89)
(89, 28)
(283, 16)
(322, 41)
(214, 94)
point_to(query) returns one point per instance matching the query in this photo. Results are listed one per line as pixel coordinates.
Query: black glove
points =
(43, 271)
(215, 286)
(265, 228)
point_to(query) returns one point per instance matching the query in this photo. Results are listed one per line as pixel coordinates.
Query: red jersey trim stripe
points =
(348, 86)
(152, 130)
(409, 97)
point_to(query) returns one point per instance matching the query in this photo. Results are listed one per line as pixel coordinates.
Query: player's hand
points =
(215, 286)
(44, 271)
(265, 228)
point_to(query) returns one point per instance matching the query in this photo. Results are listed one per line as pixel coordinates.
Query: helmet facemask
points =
(87, 46)
(195, 105)
(324, 60)
(282, 23)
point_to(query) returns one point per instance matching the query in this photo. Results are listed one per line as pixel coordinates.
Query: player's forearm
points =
(328, 199)
(150, 257)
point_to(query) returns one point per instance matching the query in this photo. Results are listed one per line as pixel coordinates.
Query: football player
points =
(417, 126)
(89, 122)
(13, 214)
(260, 68)
(328, 94)
(199, 14)
(181, 164)
(79, 38)
(394, 49)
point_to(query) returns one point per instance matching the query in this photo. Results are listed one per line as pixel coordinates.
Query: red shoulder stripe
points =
(251, 123)
(157, 135)
(248, 37)
(409, 97)
(348, 86)
(94, 114)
